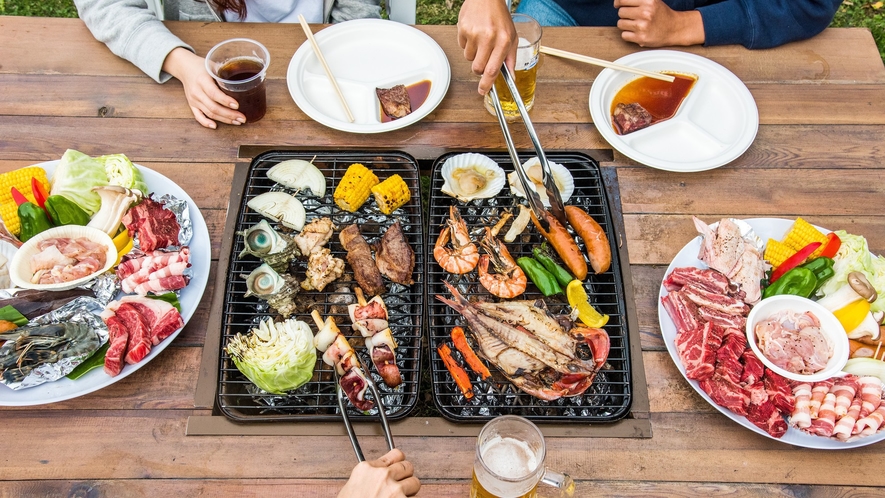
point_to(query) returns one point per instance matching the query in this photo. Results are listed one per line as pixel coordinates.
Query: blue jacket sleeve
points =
(764, 23)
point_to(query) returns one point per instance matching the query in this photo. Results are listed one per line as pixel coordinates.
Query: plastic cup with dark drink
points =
(239, 66)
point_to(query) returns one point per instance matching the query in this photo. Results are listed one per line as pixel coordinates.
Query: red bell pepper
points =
(40, 194)
(832, 245)
(794, 261)
(17, 196)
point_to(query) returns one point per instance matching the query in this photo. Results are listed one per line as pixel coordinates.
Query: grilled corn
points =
(391, 194)
(21, 180)
(802, 234)
(355, 187)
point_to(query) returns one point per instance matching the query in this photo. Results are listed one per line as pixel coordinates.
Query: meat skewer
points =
(338, 353)
(370, 320)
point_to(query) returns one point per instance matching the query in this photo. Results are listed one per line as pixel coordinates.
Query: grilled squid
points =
(337, 353)
(369, 318)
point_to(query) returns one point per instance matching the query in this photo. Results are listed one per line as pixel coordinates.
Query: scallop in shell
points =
(272, 247)
(278, 290)
(472, 176)
(561, 177)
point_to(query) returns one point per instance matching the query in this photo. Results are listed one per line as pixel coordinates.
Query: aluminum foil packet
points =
(29, 359)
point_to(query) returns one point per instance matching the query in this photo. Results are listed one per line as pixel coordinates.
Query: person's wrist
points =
(691, 30)
(177, 60)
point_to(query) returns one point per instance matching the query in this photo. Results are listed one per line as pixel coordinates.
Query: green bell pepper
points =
(799, 281)
(33, 219)
(822, 267)
(65, 211)
(562, 275)
(543, 280)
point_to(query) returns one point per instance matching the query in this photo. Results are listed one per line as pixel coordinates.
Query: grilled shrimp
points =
(463, 255)
(509, 280)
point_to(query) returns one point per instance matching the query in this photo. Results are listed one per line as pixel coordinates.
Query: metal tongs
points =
(556, 207)
(342, 406)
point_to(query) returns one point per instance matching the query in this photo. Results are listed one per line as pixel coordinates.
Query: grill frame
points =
(316, 400)
(610, 397)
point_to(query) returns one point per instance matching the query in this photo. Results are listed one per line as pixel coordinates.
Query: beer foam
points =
(509, 458)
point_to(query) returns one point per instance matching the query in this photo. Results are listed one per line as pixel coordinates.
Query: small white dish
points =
(829, 325)
(20, 267)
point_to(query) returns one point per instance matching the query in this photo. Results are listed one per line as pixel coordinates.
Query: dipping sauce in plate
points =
(661, 99)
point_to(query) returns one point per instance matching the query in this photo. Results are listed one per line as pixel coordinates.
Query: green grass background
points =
(868, 14)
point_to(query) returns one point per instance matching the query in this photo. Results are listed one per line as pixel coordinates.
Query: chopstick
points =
(599, 62)
(316, 50)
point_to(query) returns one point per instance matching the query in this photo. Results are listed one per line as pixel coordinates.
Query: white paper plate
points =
(765, 228)
(20, 269)
(715, 124)
(365, 54)
(189, 298)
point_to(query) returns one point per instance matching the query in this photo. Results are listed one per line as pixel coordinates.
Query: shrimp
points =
(463, 255)
(509, 280)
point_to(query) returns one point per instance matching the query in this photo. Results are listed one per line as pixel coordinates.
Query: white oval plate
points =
(365, 54)
(715, 124)
(765, 228)
(189, 298)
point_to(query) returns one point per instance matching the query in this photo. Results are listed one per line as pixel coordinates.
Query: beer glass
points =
(239, 67)
(526, 69)
(509, 463)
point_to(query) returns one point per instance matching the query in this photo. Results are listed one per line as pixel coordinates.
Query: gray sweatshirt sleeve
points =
(132, 32)
(345, 10)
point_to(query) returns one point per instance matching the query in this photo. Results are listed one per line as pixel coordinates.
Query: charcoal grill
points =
(609, 398)
(238, 398)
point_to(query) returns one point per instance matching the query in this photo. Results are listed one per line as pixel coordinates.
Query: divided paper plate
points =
(716, 123)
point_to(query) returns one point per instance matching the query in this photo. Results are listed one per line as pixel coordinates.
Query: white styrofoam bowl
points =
(830, 327)
(20, 268)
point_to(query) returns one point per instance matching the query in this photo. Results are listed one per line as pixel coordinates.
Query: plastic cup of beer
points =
(526, 69)
(509, 463)
(239, 67)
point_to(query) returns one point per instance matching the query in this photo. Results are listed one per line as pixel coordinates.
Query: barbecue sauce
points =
(418, 93)
(660, 98)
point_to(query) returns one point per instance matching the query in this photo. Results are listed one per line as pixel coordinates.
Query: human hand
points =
(652, 23)
(387, 477)
(488, 37)
(205, 99)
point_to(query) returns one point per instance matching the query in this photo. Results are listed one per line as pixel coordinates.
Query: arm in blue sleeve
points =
(765, 23)
(132, 32)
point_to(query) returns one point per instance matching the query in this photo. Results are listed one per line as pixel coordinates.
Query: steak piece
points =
(359, 255)
(631, 117)
(394, 256)
(395, 101)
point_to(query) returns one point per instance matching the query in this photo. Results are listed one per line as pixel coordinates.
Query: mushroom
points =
(858, 281)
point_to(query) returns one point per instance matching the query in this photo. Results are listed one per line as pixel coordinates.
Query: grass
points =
(868, 14)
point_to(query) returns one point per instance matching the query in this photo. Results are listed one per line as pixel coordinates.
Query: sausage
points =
(598, 249)
(564, 245)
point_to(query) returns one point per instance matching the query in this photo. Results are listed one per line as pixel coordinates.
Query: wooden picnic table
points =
(818, 153)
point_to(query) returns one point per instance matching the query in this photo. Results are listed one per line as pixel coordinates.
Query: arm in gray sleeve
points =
(345, 10)
(132, 32)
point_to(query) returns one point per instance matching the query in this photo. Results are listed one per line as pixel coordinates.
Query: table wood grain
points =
(819, 153)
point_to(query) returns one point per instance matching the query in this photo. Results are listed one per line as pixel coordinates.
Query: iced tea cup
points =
(526, 69)
(239, 67)
(509, 463)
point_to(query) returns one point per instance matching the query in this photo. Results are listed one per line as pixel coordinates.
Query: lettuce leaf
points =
(120, 171)
(74, 178)
(854, 255)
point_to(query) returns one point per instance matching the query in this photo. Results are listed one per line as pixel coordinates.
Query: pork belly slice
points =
(395, 101)
(631, 117)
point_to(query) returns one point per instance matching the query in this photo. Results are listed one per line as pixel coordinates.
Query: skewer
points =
(599, 62)
(319, 54)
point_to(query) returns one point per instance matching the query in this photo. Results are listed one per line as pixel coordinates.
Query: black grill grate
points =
(238, 398)
(608, 399)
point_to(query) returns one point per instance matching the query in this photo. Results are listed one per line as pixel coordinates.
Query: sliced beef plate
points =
(119, 339)
(156, 227)
(697, 349)
(139, 333)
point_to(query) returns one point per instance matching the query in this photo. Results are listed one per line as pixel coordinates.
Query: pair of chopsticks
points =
(599, 62)
(319, 54)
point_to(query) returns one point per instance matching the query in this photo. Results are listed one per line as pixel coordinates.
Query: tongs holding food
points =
(556, 206)
(342, 406)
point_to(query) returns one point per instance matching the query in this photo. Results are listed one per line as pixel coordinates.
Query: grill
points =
(241, 400)
(608, 399)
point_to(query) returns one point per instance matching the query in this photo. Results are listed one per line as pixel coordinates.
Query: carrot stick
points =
(458, 373)
(470, 357)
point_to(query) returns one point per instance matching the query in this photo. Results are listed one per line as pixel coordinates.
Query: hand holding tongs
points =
(381, 412)
(556, 207)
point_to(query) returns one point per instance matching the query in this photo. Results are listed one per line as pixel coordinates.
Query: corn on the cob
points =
(777, 252)
(21, 180)
(802, 234)
(391, 194)
(355, 187)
